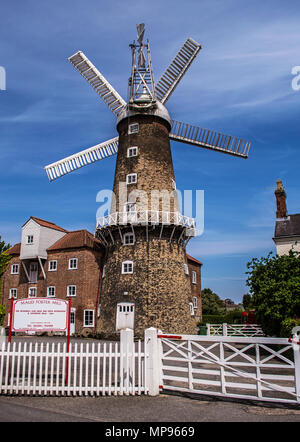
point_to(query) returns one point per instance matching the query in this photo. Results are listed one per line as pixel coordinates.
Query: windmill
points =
(145, 283)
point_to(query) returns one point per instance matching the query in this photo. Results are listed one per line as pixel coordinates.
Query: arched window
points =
(127, 267)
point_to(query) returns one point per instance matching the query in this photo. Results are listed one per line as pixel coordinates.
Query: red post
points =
(68, 341)
(10, 318)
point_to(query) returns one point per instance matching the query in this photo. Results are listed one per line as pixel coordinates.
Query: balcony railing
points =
(145, 217)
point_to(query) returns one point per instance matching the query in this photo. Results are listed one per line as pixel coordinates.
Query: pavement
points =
(138, 409)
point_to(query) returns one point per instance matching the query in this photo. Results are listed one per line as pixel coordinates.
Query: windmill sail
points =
(176, 70)
(186, 133)
(81, 159)
(98, 82)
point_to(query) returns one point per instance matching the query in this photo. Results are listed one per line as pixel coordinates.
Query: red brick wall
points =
(196, 288)
(85, 277)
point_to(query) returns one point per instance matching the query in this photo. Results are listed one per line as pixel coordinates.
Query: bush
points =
(2, 314)
(287, 326)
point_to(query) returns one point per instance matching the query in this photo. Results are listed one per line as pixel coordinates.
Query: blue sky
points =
(240, 84)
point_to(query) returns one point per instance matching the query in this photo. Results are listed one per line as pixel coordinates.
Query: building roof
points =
(75, 240)
(14, 250)
(190, 258)
(289, 226)
(48, 224)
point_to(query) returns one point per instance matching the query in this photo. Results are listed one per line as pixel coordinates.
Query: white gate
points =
(265, 369)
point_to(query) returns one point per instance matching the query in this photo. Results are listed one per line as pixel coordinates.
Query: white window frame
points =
(194, 277)
(192, 312)
(74, 289)
(132, 151)
(84, 318)
(48, 291)
(29, 239)
(173, 184)
(195, 302)
(186, 268)
(103, 270)
(133, 128)
(13, 293)
(50, 265)
(125, 270)
(14, 269)
(131, 178)
(70, 261)
(29, 290)
(128, 235)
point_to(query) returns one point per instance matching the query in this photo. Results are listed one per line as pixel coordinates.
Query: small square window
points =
(15, 269)
(132, 151)
(51, 292)
(133, 128)
(130, 207)
(127, 267)
(131, 178)
(88, 318)
(128, 239)
(29, 239)
(73, 263)
(52, 266)
(71, 290)
(13, 293)
(32, 292)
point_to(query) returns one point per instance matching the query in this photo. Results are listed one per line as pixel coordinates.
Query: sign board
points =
(40, 314)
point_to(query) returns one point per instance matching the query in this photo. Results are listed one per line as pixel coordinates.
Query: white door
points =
(72, 321)
(125, 315)
(33, 272)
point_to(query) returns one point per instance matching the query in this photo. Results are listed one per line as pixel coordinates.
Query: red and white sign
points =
(40, 314)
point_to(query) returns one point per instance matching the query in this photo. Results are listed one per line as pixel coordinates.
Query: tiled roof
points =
(48, 224)
(76, 239)
(288, 227)
(190, 258)
(14, 250)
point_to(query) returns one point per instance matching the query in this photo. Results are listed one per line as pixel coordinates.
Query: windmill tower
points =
(145, 283)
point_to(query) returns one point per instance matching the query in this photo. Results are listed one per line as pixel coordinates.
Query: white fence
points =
(87, 369)
(258, 368)
(247, 330)
(265, 369)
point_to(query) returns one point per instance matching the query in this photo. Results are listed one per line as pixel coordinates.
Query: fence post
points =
(126, 354)
(296, 348)
(224, 329)
(152, 355)
(208, 329)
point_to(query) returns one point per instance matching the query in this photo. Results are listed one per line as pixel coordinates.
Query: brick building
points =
(52, 262)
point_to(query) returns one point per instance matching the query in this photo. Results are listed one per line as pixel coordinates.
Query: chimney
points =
(280, 200)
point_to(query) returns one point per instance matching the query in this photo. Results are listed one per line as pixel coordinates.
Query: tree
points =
(4, 259)
(211, 303)
(274, 284)
(247, 301)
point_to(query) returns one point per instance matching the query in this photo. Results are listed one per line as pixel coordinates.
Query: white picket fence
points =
(265, 369)
(86, 369)
(247, 330)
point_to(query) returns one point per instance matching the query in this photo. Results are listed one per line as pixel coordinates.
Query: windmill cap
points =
(157, 109)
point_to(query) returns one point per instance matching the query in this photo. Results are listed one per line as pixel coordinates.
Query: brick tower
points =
(145, 282)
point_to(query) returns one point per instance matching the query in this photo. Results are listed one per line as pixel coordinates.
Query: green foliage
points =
(247, 301)
(274, 284)
(2, 314)
(211, 303)
(287, 326)
(233, 317)
(4, 257)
